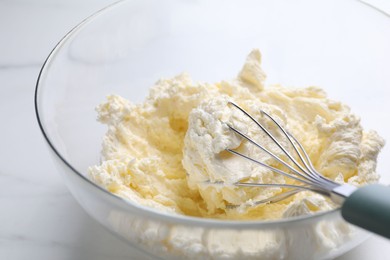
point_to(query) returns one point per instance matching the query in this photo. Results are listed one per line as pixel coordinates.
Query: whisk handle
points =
(369, 207)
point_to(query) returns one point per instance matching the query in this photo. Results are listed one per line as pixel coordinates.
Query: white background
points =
(39, 219)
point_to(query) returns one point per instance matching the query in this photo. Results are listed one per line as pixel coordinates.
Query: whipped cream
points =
(164, 152)
(169, 151)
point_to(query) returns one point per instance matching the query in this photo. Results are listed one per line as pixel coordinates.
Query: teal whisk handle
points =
(369, 207)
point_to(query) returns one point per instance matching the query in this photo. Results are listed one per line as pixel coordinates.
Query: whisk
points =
(367, 207)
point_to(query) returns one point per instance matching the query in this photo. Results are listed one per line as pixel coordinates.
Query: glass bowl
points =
(342, 46)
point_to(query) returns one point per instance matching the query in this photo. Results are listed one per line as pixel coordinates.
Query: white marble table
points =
(39, 219)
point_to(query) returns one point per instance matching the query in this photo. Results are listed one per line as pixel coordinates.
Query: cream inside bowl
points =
(126, 47)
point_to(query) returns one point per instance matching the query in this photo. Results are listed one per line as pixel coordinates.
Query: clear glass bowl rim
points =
(147, 211)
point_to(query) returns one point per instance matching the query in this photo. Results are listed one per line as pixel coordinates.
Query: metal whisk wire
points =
(305, 174)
